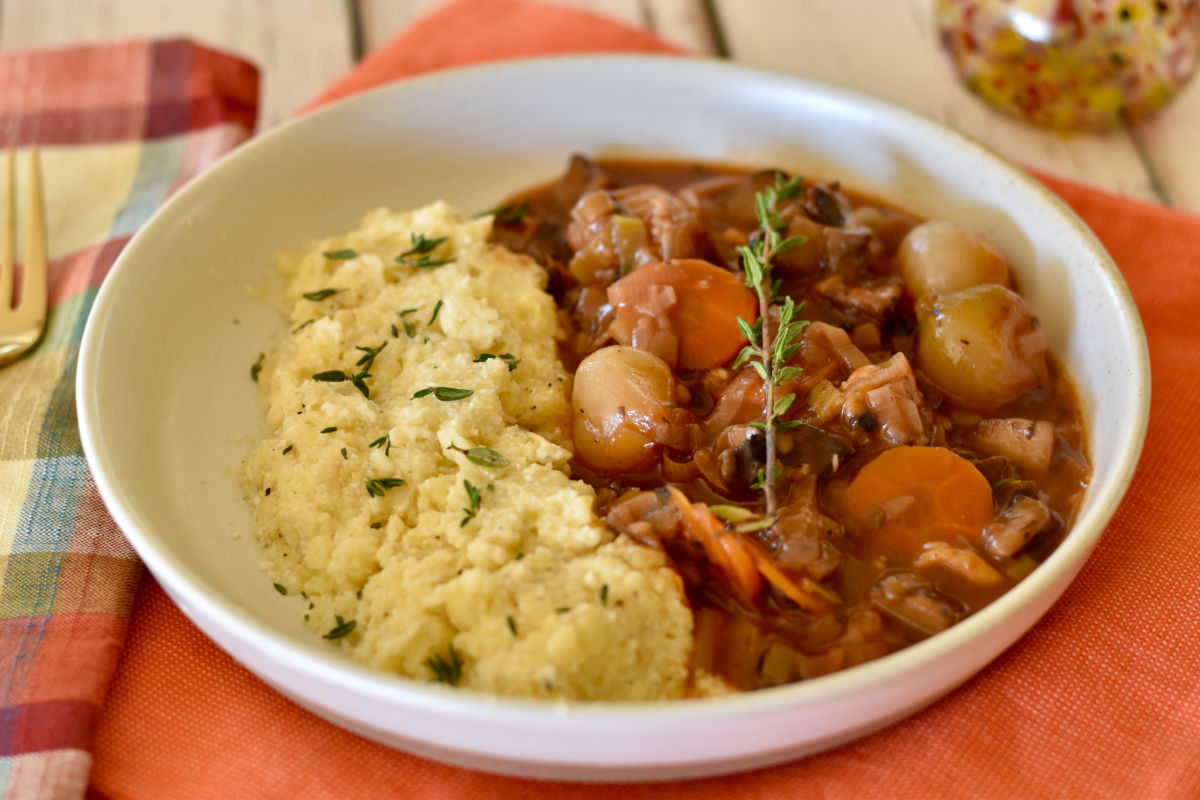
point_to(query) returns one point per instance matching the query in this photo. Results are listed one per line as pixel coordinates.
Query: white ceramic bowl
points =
(167, 410)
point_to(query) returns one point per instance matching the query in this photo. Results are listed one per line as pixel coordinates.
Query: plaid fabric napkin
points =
(120, 126)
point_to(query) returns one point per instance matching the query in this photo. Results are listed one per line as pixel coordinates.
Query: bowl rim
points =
(191, 592)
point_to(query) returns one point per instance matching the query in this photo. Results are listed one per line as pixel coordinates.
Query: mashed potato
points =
(415, 491)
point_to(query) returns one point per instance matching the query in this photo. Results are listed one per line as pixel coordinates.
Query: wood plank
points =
(300, 45)
(890, 50)
(1172, 146)
(683, 22)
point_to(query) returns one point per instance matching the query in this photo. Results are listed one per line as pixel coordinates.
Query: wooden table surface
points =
(886, 48)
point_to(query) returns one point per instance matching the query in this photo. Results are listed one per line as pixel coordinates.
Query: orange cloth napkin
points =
(1099, 700)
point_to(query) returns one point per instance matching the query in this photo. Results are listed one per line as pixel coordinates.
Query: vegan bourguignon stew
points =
(840, 422)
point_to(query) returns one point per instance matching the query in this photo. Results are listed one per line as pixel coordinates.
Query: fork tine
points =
(9, 244)
(21, 327)
(33, 291)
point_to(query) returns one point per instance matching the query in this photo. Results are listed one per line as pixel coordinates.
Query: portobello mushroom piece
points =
(816, 448)
(799, 541)
(825, 203)
(1021, 521)
(741, 451)
(909, 599)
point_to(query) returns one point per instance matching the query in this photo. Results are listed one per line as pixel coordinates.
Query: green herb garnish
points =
(345, 254)
(337, 376)
(376, 487)
(444, 393)
(320, 294)
(330, 429)
(483, 456)
(286, 450)
(446, 669)
(410, 330)
(368, 359)
(507, 358)
(604, 595)
(512, 624)
(436, 308)
(421, 245)
(385, 442)
(421, 248)
(342, 628)
(256, 367)
(509, 213)
(279, 587)
(474, 498)
(768, 350)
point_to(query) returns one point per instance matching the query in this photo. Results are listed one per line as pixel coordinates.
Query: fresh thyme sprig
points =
(768, 350)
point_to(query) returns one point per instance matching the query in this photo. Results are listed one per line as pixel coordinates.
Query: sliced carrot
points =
(723, 550)
(907, 496)
(740, 566)
(688, 300)
(807, 594)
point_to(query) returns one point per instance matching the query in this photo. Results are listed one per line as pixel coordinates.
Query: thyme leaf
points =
(474, 499)
(377, 487)
(421, 247)
(483, 456)
(345, 254)
(444, 393)
(256, 367)
(342, 628)
(320, 294)
(448, 668)
(359, 383)
(368, 360)
(509, 213)
(508, 358)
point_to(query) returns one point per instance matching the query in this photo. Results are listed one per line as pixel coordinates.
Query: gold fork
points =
(21, 323)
